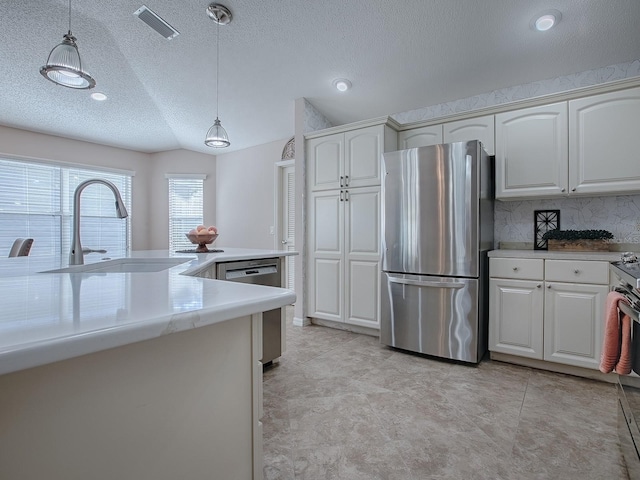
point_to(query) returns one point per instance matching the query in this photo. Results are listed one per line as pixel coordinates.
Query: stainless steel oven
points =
(625, 279)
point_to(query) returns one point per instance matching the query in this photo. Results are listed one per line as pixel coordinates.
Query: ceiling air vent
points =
(154, 21)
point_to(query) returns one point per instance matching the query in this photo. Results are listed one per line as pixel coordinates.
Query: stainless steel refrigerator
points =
(437, 228)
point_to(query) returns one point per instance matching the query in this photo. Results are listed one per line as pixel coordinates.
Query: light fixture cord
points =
(217, 63)
(69, 17)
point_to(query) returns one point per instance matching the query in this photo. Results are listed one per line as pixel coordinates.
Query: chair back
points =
(21, 247)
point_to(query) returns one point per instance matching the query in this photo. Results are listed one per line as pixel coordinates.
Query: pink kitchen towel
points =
(616, 344)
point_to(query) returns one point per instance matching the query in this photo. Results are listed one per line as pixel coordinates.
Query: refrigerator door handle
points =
(406, 281)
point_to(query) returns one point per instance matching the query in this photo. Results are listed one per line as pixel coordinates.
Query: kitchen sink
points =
(123, 265)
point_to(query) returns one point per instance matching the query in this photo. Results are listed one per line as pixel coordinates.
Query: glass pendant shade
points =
(64, 66)
(217, 136)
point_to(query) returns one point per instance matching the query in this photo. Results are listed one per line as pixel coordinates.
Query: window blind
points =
(186, 210)
(36, 201)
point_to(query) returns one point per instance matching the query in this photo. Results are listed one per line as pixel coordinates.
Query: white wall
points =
(150, 200)
(177, 161)
(18, 143)
(245, 196)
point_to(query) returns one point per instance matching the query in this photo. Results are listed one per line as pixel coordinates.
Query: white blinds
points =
(36, 201)
(186, 210)
(290, 227)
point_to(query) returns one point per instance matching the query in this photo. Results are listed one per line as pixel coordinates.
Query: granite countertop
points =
(555, 255)
(47, 317)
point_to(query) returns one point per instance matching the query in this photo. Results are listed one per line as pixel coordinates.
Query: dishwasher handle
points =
(250, 272)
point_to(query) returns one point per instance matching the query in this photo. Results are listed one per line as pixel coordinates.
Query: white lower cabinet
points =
(556, 316)
(516, 310)
(573, 317)
(516, 306)
(344, 256)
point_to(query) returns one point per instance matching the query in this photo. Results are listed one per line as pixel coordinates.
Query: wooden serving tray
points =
(579, 245)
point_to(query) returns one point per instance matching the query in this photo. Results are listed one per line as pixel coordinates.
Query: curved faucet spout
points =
(76, 256)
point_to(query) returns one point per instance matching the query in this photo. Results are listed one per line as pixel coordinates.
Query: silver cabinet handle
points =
(341, 196)
(538, 285)
(515, 269)
(341, 181)
(346, 183)
(284, 242)
(573, 189)
(418, 283)
(576, 271)
(548, 286)
(346, 195)
(563, 190)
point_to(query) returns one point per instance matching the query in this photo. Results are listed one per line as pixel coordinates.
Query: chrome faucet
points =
(76, 256)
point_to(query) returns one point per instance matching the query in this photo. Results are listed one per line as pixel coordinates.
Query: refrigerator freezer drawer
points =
(432, 315)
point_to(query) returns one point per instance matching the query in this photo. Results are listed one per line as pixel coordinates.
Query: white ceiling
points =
(399, 56)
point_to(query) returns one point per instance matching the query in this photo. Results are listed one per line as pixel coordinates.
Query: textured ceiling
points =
(399, 56)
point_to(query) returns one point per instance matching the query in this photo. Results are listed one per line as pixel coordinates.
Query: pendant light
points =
(64, 66)
(217, 136)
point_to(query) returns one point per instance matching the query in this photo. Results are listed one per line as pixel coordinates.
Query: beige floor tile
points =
(339, 405)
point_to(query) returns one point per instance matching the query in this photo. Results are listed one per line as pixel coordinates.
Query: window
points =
(36, 201)
(186, 209)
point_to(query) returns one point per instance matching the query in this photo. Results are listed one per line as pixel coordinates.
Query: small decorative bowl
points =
(202, 240)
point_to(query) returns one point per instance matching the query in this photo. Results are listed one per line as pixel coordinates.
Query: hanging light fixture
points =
(217, 136)
(64, 66)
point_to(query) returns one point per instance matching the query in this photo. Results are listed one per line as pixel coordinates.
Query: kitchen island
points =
(141, 375)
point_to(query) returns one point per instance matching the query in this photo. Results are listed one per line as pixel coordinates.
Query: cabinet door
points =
(420, 137)
(326, 162)
(603, 143)
(326, 247)
(515, 317)
(532, 152)
(362, 256)
(481, 128)
(573, 323)
(363, 156)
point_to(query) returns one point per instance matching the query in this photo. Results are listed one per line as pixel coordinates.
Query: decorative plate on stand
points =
(544, 220)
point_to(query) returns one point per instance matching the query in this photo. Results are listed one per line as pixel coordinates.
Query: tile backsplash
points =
(514, 221)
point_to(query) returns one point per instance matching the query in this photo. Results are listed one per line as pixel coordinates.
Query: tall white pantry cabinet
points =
(343, 191)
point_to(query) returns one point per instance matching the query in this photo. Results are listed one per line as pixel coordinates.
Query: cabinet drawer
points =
(519, 268)
(576, 271)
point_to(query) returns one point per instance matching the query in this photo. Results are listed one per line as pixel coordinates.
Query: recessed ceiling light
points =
(546, 20)
(342, 84)
(99, 96)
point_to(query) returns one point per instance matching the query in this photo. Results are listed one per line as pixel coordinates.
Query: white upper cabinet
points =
(420, 137)
(603, 143)
(532, 152)
(347, 160)
(326, 161)
(363, 150)
(481, 128)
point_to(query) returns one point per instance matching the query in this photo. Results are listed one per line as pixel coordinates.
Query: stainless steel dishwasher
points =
(264, 271)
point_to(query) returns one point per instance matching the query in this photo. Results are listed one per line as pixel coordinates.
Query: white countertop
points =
(47, 317)
(555, 254)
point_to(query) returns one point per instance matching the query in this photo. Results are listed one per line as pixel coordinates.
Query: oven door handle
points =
(629, 311)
